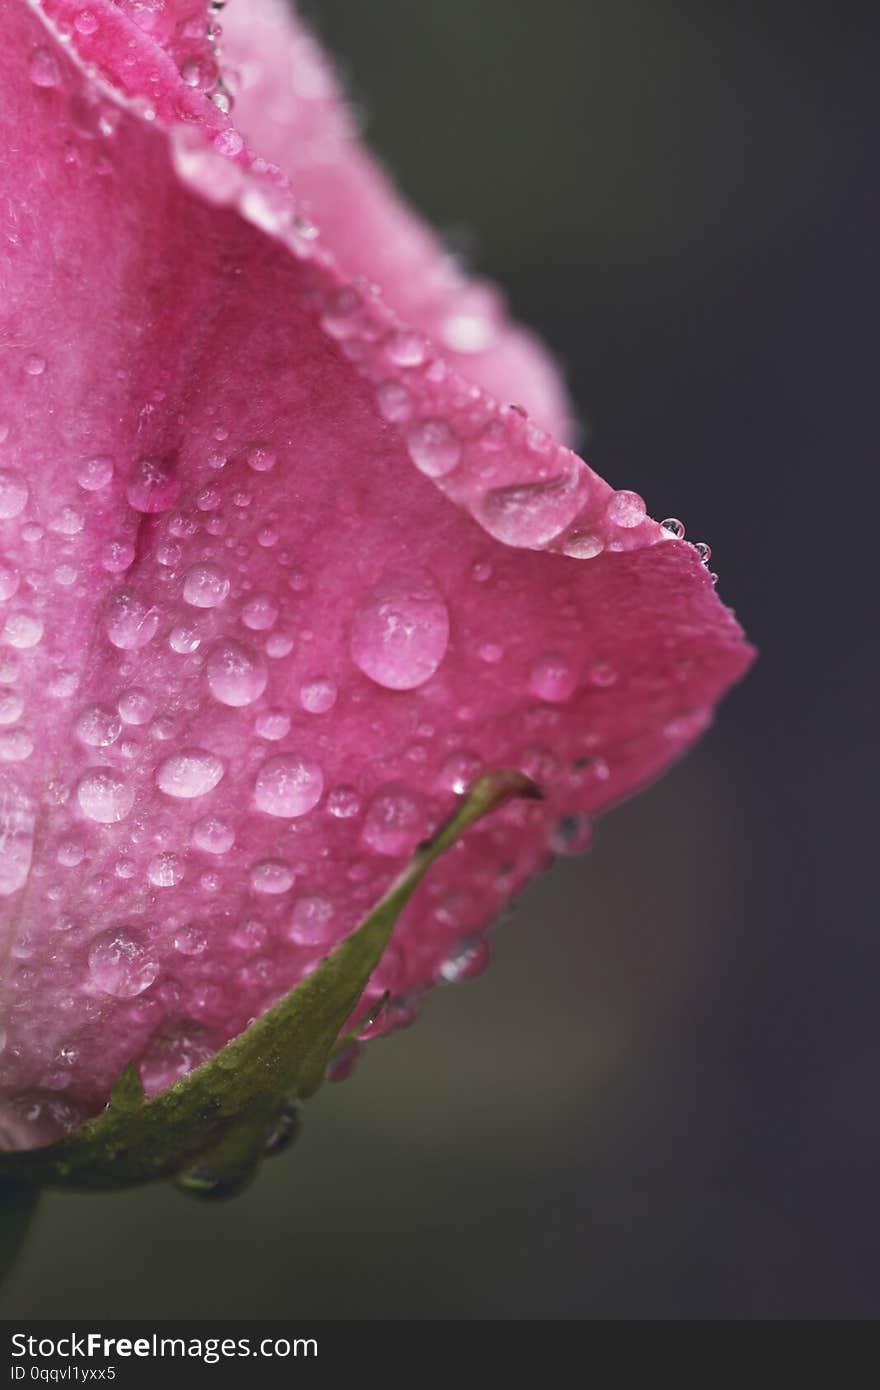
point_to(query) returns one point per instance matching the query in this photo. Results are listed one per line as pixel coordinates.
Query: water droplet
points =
(98, 726)
(189, 773)
(14, 493)
(288, 786)
(85, 22)
(272, 876)
(395, 821)
(468, 960)
(130, 623)
(190, 941)
(104, 795)
(552, 678)
(674, 527)
(205, 586)
(400, 634)
(43, 68)
(165, 870)
(120, 963)
(704, 551)
(152, 487)
(236, 675)
(70, 853)
(625, 509)
(273, 724)
(9, 582)
(394, 401)
(433, 448)
(174, 1052)
(405, 350)
(135, 706)
(116, 555)
(212, 835)
(11, 705)
(311, 921)
(319, 695)
(583, 545)
(460, 770)
(531, 514)
(184, 639)
(260, 613)
(279, 645)
(260, 458)
(35, 365)
(343, 802)
(16, 745)
(602, 674)
(23, 630)
(95, 473)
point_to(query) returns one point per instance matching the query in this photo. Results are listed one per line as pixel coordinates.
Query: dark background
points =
(660, 1102)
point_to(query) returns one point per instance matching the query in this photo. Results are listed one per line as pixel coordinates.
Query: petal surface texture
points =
(278, 576)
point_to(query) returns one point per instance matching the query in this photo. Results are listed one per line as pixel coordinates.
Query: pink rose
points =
(289, 555)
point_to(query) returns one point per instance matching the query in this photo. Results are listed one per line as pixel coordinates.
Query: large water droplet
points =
(212, 835)
(625, 509)
(135, 706)
(95, 473)
(311, 921)
(433, 448)
(17, 821)
(288, 786)
(189, 773)
(11, 705)
(98, 726)
(104, 795)
(272, 876)
(152, 487)
(400, 634)
(319, 695)
(23, 630)
(260, 613)
(130, 623)
(120, 963)
(395, 821)
(43, 68)
(236, 675)
(14, 493)
(552, 678)
(531, 514)
(205, 586)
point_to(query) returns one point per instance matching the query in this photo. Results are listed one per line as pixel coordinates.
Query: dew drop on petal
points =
(311, 921)
(116, 555)
(23, 630)
(395, 821)
(433, 448)
(273, 724)
(121, 964)
(14, 493)
(319, 695)
(343, 802)
(191, 772)
(289, 785)
(260, 613)
(236, 675)
(97, 726)
(583, 545)
(212, 835)
(165, 870)
(459, 770)
(104, 795)
(43, 68)
(272, 876)
(16, 745)
(11, 705)
(135, 706)
(552, 678)
(130, 623)
(400, 634)
(531, 514)
(152, 487)
(625, 509)
(205, 586)
(9, 582)
(95, 473)
(260, 458)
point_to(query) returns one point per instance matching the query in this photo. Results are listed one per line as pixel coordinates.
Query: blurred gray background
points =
(660, 1101)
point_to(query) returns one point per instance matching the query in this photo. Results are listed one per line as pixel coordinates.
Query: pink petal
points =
(271, 598)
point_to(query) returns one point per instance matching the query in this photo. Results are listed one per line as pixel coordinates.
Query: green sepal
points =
(211, 1129)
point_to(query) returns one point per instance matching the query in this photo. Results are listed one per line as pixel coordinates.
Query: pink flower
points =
(282, 569)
